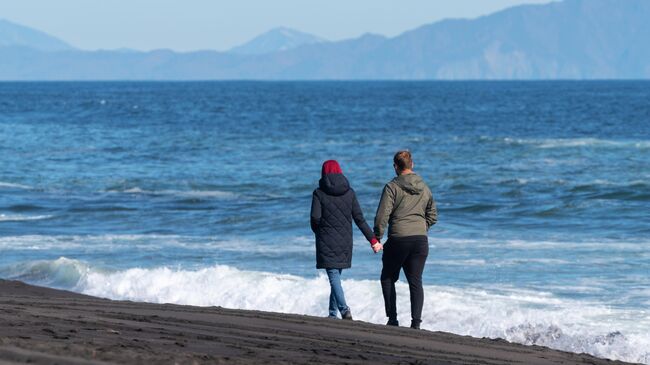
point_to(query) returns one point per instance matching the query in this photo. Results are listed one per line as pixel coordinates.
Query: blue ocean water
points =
(199, 193)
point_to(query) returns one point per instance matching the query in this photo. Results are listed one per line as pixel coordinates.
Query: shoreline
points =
(45, 326)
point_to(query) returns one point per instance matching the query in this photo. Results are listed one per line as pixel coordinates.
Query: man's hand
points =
(377, 247)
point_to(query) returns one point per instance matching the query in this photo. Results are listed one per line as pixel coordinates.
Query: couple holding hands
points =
(406, 207)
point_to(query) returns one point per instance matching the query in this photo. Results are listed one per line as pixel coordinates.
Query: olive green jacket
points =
(407, 207)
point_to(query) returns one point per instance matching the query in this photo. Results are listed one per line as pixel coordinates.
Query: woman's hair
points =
(403, 160)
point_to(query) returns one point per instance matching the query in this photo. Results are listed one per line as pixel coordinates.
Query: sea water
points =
(199, 193)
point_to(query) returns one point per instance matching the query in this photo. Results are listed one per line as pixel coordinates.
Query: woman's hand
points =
(377, 247)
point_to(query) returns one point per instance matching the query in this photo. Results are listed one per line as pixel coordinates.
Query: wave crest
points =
(21, 217)
(548, 143)
(8, 185)
(197, 194)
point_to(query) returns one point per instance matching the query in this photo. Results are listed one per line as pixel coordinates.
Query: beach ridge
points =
(45, 326)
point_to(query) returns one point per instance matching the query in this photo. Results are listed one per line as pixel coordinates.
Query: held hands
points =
(376, 245)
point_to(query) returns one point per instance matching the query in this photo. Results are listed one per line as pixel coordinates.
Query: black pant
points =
(408, 253)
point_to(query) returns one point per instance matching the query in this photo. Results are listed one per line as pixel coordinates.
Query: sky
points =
(221, 24)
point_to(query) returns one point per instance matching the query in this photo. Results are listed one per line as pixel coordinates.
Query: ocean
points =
(199, 193)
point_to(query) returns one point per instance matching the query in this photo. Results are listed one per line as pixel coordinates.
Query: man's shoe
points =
(393, 322)
(347, 315)
(415, 325)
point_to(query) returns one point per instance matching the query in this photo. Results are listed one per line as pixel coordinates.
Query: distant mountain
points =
(572, 39)
(14, 35)
(276, 40)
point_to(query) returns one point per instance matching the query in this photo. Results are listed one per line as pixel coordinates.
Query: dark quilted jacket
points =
(334, 205)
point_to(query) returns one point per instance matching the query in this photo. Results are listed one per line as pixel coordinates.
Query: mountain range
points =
(15, 35)
(571, 39)
(276, 40)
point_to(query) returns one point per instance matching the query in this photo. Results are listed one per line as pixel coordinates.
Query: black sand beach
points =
(46, 326)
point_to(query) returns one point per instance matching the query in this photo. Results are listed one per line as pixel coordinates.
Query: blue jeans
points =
(337, 298)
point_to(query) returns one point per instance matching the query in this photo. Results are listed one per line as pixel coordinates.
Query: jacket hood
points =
(334, 184)
(410, 183)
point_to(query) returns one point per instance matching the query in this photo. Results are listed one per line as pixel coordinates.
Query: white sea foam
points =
(496, 262)
(468, 262)
(305, 244)
(21, 217)
(98, 243)
(65, 242)
(572, 142)
(149, 242)
(13, 186)
(521, 316)
(579, 142)
(180, 193)
(551, 245)
(638, 246)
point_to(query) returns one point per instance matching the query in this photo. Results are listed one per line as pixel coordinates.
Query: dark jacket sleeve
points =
(357, 215)
(315, 212)
(431, 213)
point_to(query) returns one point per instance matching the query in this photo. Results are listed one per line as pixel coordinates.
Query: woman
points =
(334, 204)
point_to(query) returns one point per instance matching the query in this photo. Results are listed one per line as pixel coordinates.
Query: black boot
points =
(347, 315)
(415, 324)
(392, 322)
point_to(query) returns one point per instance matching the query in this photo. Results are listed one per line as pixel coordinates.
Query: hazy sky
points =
(221, 24)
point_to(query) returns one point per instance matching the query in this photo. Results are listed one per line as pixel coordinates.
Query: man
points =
(407, 207)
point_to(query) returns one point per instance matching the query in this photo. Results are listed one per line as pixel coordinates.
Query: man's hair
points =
(403, 160)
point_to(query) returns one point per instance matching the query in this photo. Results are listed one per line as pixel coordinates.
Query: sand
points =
(47, 326)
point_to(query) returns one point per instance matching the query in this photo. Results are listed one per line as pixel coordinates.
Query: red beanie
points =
(331, 167)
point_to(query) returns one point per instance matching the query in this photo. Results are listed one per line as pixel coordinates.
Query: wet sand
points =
(46, 326)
